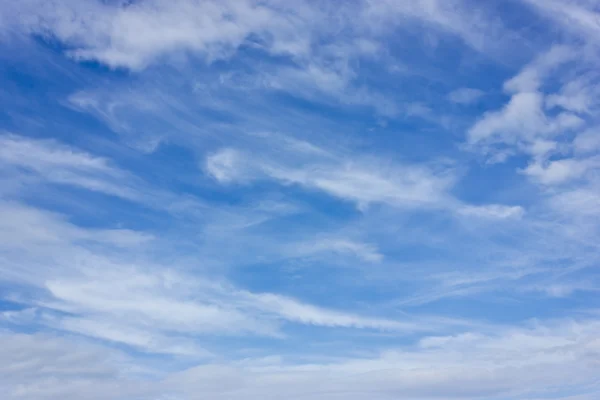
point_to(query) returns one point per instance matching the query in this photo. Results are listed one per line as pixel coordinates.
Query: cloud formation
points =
(265, 199)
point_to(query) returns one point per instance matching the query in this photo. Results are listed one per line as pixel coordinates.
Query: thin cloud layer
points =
(264, 199)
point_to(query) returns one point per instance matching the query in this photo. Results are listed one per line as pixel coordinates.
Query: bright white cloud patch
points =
(322, 200)
(362, 183)
(560, 171)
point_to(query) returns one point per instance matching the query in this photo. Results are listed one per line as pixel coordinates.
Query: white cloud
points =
(293, 310)
(493, 211)
(136, 35)
(168, 294)
(520, 122)
(562, 289)
(521, 116)
(408, 186)
(539, 360)
(470, 23)
(148, 299)
(21, 225)
(226, 166)
(41, 162)
(60, 164)
(41, 155)
(561, 171)
(418, 110)
(173, 305)
(47, 367)
(465, 96)
(579, 95)
(362, 183)
(156, 313)
(582, 201)
(92, 291)
(588, 141)
(510, 363)
(577, 16)
(339, 246)
(138, 338)
(542, 125)
(532, 76)
(324, 83)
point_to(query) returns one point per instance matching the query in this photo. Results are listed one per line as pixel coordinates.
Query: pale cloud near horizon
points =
(488, 365)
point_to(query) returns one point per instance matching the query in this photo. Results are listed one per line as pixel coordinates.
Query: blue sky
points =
(227, 200)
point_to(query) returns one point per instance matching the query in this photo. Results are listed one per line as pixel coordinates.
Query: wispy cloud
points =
(493, 211)
(103, 31)
(60, 164)
(149, 307)
(576, 16)
(362, 183)
(534, 355)
(465, 96)
(261, 199)
(339, 247)
(560, 171)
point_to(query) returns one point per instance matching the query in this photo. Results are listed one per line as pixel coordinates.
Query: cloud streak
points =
(262, 199)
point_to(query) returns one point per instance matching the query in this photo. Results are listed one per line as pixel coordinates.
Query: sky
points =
(310, 199)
